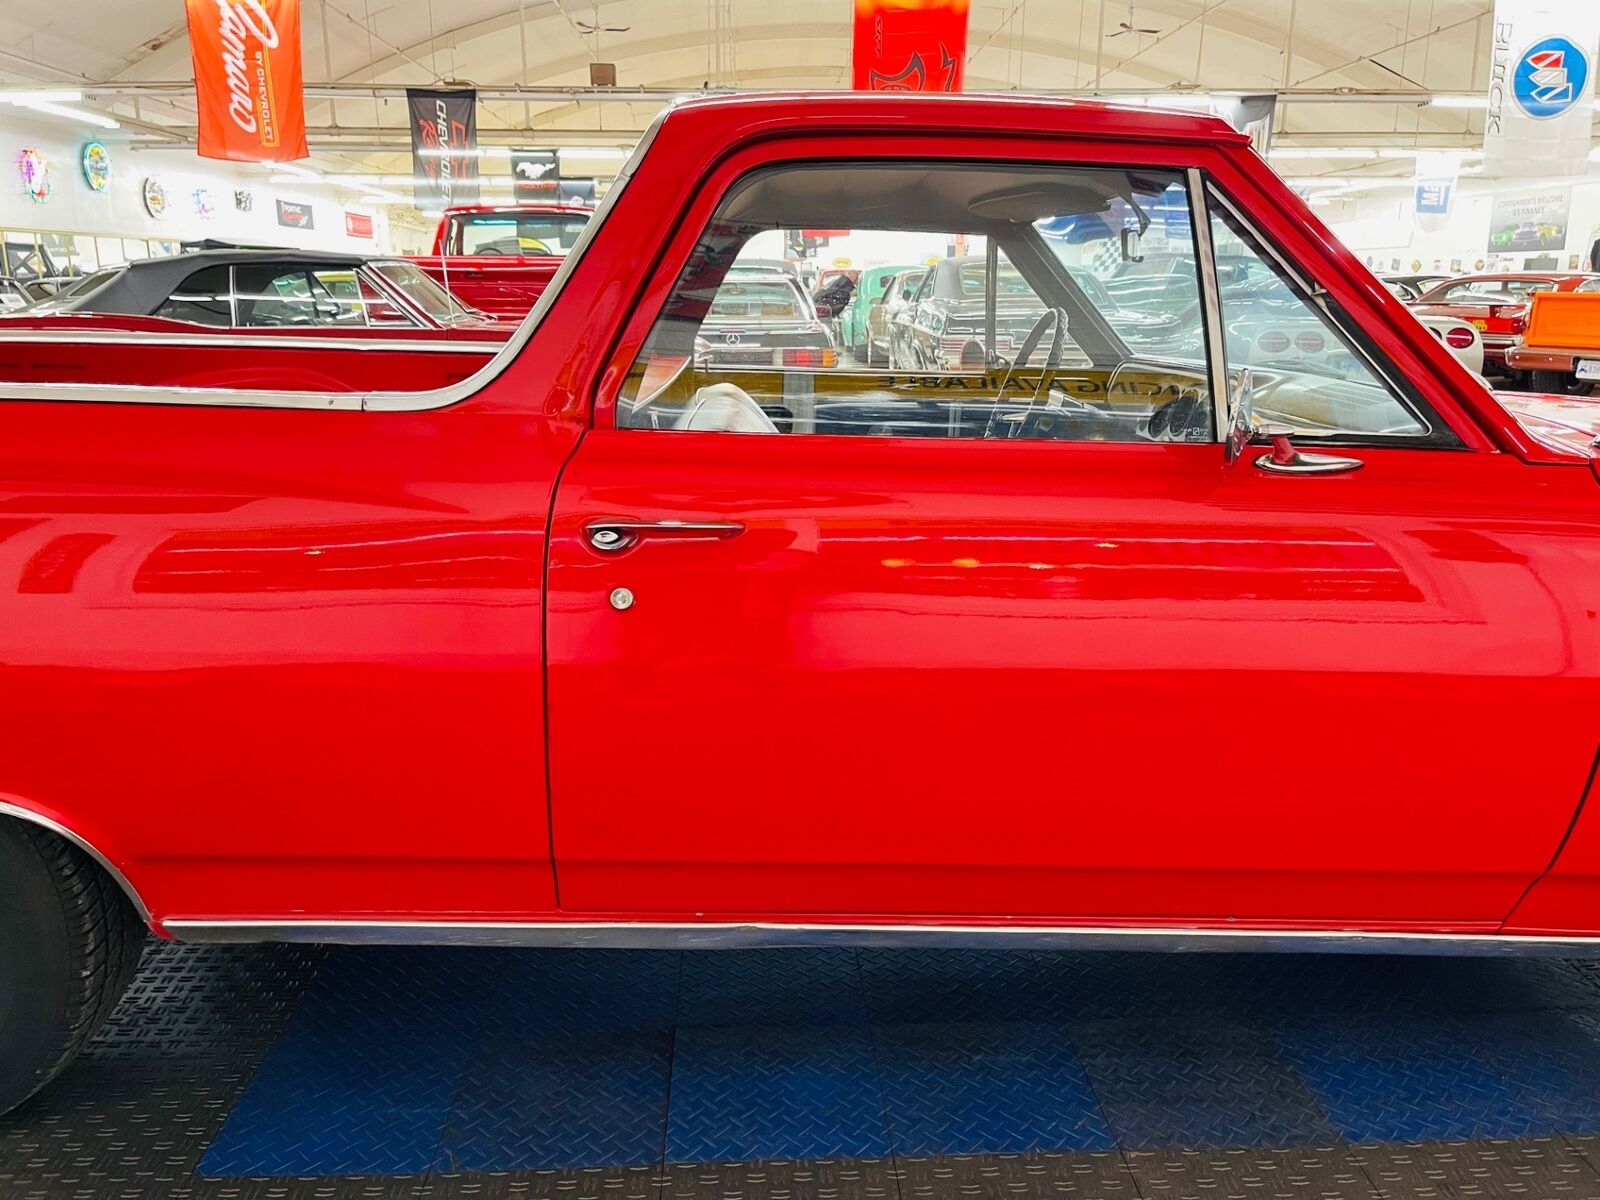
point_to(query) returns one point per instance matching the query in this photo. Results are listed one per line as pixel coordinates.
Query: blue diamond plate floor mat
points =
(409, 1061)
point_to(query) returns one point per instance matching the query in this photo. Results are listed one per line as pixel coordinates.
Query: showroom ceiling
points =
(1397, 52)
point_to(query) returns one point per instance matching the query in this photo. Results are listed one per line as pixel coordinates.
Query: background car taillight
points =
(1310, 342)
(1273, 342)
(810, 356)
(1459, 337)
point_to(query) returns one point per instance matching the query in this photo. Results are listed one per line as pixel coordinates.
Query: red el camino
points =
(1087, 643)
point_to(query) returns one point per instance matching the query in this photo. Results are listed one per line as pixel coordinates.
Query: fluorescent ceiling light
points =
(33, 102)
(53, 96)
(1459, 102)
(593, 151)
(1320, 152)
(1369, 151)
(292, 171)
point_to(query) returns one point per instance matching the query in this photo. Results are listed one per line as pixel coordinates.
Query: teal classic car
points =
(855, 323)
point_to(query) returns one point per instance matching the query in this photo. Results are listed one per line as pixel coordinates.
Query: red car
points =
(300, 316)
(1497, 305)
(500, 258)
(1088, 644)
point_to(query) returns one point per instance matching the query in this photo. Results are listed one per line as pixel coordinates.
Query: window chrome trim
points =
(1210, 300)
(366, 401)
(280, 341)
(714, 935)
(60, 830)
(1316, 295)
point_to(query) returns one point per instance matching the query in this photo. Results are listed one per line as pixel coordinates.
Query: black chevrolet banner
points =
(444, 148)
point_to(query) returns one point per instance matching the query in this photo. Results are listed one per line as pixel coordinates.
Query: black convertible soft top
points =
(142, 287)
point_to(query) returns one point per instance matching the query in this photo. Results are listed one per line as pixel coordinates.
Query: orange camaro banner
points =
(247, 79)
(909, 45)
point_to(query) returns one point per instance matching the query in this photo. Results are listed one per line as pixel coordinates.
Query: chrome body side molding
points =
(708, 935)
(33, 818)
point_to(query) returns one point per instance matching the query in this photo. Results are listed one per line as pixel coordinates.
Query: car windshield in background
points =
(757, 300)
(1007, 283)
(536, 234)
(423, 292)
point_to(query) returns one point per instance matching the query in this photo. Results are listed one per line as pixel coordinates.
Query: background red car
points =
(500, 258)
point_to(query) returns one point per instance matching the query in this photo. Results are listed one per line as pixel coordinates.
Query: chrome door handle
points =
(611, 536)
(1285, 458)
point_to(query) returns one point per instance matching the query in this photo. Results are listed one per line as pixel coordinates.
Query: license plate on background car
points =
(1589, 368)
(1480, 323)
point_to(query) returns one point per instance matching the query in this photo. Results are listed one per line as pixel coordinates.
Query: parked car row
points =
(1498, 306)
(931, 317)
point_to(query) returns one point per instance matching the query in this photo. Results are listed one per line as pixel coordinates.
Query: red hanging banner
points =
(247, 79)
(909, 45)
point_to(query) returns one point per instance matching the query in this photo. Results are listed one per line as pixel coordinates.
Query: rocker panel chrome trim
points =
(640, 935)
(60, 830)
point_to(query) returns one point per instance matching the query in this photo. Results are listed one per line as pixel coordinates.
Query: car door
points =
(1029, 647)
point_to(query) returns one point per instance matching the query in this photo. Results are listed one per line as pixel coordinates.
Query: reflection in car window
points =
(423, 291)
(1306, 372)
(204, 298)
(757, 299)
(1040, 350)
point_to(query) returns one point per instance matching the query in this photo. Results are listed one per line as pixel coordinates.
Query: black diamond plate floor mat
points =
(287, 1073)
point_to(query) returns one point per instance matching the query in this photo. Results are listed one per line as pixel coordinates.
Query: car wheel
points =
(69, 943)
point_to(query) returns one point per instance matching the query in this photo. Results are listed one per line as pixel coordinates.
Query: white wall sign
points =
(1541, 87)
(1530, 221)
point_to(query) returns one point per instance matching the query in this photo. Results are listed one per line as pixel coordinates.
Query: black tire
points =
(1548, 381)
(69, 944)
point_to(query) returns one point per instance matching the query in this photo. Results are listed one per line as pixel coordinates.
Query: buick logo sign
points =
(1550, 77)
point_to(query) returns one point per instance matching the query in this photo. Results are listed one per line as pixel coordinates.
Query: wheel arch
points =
(11, 806)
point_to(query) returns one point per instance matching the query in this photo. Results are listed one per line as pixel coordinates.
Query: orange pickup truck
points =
(1561, 348)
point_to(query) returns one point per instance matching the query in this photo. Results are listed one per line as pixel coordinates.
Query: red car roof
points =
(973, 111)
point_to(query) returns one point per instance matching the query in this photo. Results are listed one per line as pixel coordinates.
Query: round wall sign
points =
(35, 174)
(96, 166)
(155, 198)
(1550, 77)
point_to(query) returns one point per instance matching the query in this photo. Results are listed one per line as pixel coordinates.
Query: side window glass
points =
(379, 308)
(1307, 373)
(272, 296)
(276, 296)
(204, 298)
(337, 294)
(1062, 304)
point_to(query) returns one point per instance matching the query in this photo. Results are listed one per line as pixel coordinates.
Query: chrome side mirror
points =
(1241, 416)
